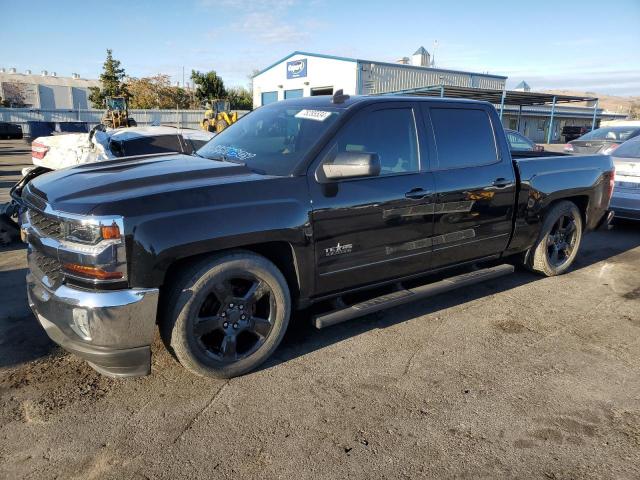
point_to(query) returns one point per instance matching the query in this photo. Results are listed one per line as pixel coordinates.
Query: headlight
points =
(89, 233)
(93, 249)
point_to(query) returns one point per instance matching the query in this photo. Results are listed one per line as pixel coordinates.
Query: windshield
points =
(271, 139)
(630, 149)
(613, 134)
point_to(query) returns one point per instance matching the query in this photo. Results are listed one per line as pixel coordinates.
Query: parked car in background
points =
(55, 152)
(59, 151)
(10, 130)
(519, 143)
(603, 140)
(626, 194)
(572, 132)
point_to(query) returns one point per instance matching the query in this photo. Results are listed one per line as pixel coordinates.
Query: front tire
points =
(559, 240)
(226, 315)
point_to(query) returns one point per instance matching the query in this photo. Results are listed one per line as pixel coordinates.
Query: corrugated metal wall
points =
(179, 118)
(382, 78)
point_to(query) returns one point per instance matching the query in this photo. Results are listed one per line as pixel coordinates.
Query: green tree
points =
(156, 92)
(112, 82)
(240, 98)
(208, 85)
(634, 111)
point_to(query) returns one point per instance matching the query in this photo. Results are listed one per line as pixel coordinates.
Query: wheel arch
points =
(580, 201)
(280, 253)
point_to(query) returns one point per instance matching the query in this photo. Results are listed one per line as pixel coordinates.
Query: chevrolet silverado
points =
(339, 205)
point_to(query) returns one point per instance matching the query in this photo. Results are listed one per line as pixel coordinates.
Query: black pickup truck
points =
(341, 206)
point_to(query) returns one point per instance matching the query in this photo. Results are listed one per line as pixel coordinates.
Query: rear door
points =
(372, 229)
(475, 183)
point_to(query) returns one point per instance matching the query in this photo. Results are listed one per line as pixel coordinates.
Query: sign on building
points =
(297, 68)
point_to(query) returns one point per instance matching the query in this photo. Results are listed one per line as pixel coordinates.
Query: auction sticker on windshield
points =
(317, 115)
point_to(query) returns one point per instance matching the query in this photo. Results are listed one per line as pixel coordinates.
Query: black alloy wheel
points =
(236, 317)
(561, 241)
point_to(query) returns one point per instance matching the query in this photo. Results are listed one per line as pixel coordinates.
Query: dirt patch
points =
(632, 295)
(50, 385)
(510, 326)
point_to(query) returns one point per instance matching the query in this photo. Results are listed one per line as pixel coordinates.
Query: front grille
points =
(49, 266)
(46, 225)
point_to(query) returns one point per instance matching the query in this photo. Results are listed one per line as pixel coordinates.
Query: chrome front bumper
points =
(112, 330)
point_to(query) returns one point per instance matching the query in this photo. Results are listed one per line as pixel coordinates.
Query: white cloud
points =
(270, 28)
(249, 5)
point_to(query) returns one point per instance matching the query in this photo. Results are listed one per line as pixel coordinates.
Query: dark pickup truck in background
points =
(345, 205)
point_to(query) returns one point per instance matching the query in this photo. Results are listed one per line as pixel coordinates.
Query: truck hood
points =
(91, 188)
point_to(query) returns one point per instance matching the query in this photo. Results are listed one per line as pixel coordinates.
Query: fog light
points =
(80, 323)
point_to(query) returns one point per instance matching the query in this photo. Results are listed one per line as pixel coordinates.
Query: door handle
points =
(501, 182)
(417, 193)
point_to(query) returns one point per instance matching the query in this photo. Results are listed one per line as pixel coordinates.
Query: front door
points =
(372, 229)
(475, 185)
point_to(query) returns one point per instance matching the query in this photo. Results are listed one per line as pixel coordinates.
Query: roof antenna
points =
(339, 97)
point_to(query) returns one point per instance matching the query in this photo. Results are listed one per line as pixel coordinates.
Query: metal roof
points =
(512, 97)
(361, 60)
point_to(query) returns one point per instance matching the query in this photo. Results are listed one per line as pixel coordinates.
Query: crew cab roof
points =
(326, 101)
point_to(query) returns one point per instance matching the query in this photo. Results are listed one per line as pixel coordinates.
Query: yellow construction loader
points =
(117, 114)
(218, 116)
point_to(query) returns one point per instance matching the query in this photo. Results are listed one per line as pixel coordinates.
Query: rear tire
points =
(226, 315)
(560, 237)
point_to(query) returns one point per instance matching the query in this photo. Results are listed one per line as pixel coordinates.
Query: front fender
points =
(245, 218)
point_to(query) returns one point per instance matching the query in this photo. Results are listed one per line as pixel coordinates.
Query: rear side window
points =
(390, 133)
(519, 143)
(464, 137)
(152, 144)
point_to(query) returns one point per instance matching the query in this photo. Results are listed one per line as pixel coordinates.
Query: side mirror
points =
(352, 165)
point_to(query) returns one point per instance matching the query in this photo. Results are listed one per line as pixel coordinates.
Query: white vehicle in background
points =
(626, 194)
(67, 150)
(61, 151)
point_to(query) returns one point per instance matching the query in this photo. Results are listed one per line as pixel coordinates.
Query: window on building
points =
(321, 91)
(390, 133)
(297, 93)
(269, 97)
(464, 137)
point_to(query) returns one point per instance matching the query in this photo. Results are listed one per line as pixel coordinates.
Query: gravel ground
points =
(521, 377)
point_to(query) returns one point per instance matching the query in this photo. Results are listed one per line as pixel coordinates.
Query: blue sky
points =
(586, 45)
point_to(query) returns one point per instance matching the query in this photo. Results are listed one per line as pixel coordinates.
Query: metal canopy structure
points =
(504, 97)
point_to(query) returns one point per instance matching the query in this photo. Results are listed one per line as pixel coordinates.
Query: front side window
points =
(390, 133)
(464, 137)
(271, 139)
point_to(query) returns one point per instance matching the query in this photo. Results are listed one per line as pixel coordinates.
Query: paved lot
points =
(522, 377)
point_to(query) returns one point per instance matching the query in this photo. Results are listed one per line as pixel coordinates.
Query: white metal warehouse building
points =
(46, 90)
(303, 74)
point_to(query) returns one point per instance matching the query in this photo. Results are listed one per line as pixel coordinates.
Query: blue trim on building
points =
(360, 61)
